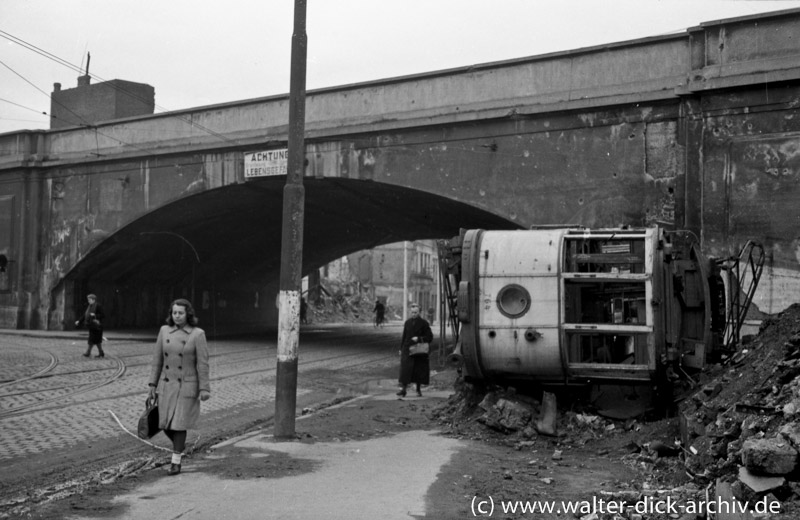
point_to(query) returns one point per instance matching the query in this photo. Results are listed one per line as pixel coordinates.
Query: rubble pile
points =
(736, 434)
(339, 303)
(742, 426)
(504, 417)
(502, 414)
(339, 309)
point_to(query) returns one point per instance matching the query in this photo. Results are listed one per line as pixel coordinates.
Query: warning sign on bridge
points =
(265, 164)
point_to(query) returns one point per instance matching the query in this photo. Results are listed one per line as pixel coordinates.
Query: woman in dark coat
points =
(93, 319)
(416, 368)
(180, 362)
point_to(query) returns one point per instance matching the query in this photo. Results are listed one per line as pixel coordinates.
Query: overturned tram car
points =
(571, 305)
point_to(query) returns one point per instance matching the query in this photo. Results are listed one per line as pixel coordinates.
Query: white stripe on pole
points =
(288, 325)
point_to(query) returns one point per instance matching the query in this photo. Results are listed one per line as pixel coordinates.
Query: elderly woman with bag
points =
(414, 366)
(180, 367)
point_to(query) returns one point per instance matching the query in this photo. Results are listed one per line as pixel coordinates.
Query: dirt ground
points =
(640, 462)
(581, 463)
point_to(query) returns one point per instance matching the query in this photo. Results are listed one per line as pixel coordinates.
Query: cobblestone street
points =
(54, 399)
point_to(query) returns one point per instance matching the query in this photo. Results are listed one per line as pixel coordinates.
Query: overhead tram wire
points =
(19, 121)
(61, 61)
(23, 106)
(75, 68)
(22, 120)
(85, 124)
(39, 51)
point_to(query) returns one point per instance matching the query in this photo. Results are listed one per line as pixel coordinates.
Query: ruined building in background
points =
(380, 273)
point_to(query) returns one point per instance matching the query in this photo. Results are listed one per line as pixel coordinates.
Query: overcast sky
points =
(198, 53)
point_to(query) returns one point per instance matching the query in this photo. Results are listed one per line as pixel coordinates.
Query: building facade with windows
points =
(398, 274)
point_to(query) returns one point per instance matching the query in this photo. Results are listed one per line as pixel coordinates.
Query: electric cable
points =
(86, 124)
(120, 89)
(23, 106)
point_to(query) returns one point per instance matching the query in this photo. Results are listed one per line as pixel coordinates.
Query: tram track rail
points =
(119, 371)
(49, 370)
(41, 373)
(308, 365)
(126, 361)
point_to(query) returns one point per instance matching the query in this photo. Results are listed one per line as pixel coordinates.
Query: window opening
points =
(513, 301)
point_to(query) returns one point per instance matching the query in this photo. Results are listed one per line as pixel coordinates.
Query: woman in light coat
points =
(180, 364)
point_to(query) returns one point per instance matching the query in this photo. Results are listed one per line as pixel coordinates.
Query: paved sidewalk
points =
(384, 477)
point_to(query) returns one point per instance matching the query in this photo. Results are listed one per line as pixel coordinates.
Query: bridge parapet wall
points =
(711, 56)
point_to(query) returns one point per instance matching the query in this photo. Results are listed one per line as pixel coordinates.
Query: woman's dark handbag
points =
(419, 349)
(148, 422)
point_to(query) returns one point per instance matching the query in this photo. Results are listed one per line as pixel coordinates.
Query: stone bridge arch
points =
(221, 247)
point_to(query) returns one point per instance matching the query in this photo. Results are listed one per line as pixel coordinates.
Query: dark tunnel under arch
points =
(229, 239)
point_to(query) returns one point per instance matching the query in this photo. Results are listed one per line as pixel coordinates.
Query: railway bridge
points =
(696, 130)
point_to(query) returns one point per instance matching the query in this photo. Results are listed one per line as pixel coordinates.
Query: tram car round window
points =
(513, 301)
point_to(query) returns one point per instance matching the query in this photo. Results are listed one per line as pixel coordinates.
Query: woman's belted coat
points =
(180, 371)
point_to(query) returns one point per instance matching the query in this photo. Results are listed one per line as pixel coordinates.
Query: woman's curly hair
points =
(191, 319)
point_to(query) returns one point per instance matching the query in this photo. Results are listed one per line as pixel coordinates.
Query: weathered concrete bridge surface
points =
(697, 130)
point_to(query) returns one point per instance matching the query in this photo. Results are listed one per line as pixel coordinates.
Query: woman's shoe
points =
(419, 393)
(401, 393)
(174, 469)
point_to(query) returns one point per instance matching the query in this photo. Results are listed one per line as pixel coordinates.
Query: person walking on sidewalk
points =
(414, 369)
(379, 310)
(180, 364)
(93, 319)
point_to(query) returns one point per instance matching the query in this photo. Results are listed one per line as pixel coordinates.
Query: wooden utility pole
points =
(292, 238)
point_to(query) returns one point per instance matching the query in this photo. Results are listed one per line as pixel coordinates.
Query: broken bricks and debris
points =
(735, 436)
